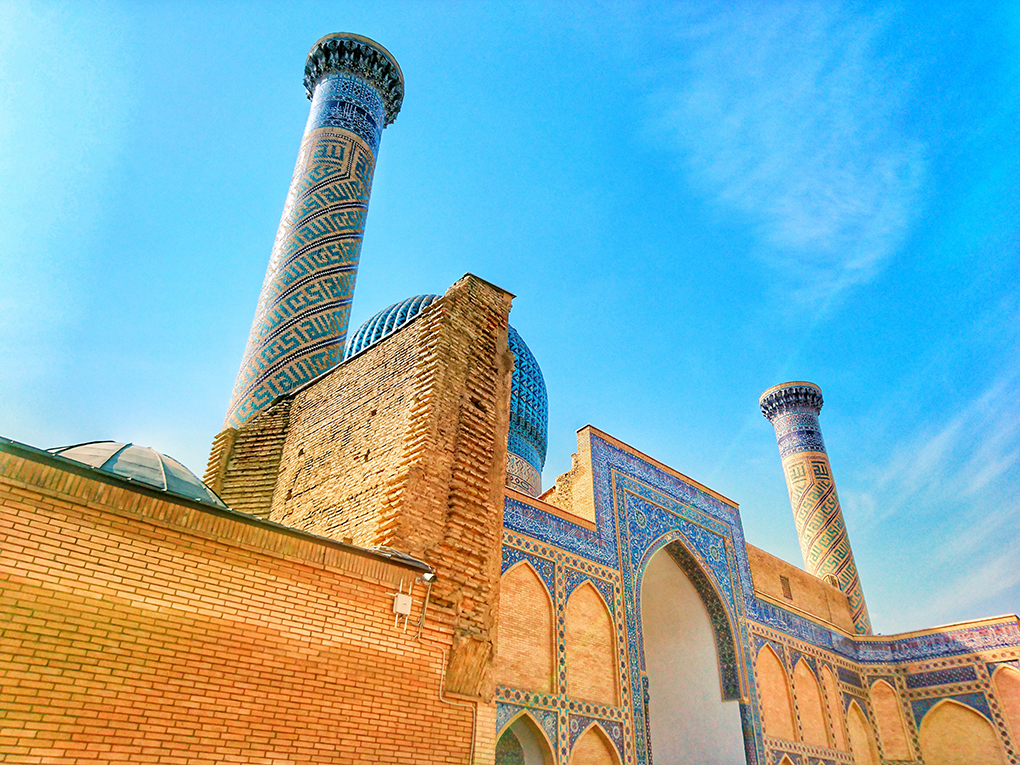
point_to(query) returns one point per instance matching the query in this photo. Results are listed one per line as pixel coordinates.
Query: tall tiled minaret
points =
(793, 410)
(356, 88)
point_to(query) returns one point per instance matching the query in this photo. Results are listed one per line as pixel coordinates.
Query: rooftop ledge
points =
(69, 466)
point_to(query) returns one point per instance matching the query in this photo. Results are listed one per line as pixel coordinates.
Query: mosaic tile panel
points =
(849, 677)
(598, 546)
(348, 102)
(964, 674)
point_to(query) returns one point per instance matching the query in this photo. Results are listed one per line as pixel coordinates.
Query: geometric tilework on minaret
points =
(793, 410)
(356, 88)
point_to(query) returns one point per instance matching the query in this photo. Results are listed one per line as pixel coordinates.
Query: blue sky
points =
(691, 203)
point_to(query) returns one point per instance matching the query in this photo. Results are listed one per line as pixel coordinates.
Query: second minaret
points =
(793, 410)
(356, 88)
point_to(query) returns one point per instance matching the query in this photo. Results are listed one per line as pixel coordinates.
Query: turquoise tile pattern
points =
(301, 319)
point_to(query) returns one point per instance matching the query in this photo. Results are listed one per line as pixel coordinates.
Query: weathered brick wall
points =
(573, 492)
(447, 501)
(405, 446)
(244, 463)
(138, 628)
(345, 441)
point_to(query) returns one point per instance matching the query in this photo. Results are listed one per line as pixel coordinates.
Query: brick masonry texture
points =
(591, 649)
(145, 630)
(404, 446)
(525, 657)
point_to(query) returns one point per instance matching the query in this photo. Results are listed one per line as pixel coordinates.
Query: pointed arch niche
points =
(689, 720)
(815, 730)
(835, 709)
(524, 648)
(889, 719)
(523, 743)
(774, 700)
(954, 734)
(594, 748)
(862, 740)
(1006, 681)
(592, 673)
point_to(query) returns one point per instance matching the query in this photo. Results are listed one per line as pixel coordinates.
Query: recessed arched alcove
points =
(594, 748)
(523, 743)
(954, 734)
(814, 729)
(862, 739)
(1006, 681)
(525, 646)
(689, 719)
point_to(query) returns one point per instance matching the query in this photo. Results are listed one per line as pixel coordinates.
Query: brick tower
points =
(356, 88)
(793, 410)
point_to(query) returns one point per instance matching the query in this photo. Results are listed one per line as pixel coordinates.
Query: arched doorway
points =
(523, 743)
(688, 719)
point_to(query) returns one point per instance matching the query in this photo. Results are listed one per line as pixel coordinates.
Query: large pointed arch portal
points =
(689, 653)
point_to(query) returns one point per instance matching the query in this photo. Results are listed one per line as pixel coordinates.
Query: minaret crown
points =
(353, 54)
(790, 397)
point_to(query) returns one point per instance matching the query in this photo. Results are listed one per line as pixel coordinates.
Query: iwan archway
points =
(689, 720)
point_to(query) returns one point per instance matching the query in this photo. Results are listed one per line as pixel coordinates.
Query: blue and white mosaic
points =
(640, 509)
(348, 102)
(301, 320)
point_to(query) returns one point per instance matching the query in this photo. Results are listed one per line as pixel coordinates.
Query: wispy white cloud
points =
(961, 458)
(948, 493)
(788, 113)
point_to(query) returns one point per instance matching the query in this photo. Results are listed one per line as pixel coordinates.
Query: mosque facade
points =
(371, 570)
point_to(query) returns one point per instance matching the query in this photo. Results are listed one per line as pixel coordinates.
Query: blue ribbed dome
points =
(529, 405)
(142, 464)
(387, 321)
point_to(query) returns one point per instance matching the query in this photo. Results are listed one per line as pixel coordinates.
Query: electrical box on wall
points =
(402, 604)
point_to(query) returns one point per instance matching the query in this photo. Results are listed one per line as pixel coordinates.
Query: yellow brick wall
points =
(593, 748)
(774, 700)
(590, 648)
(140, 629)
(524, 656)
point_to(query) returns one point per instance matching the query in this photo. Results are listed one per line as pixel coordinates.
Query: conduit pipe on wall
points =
(442, 675)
